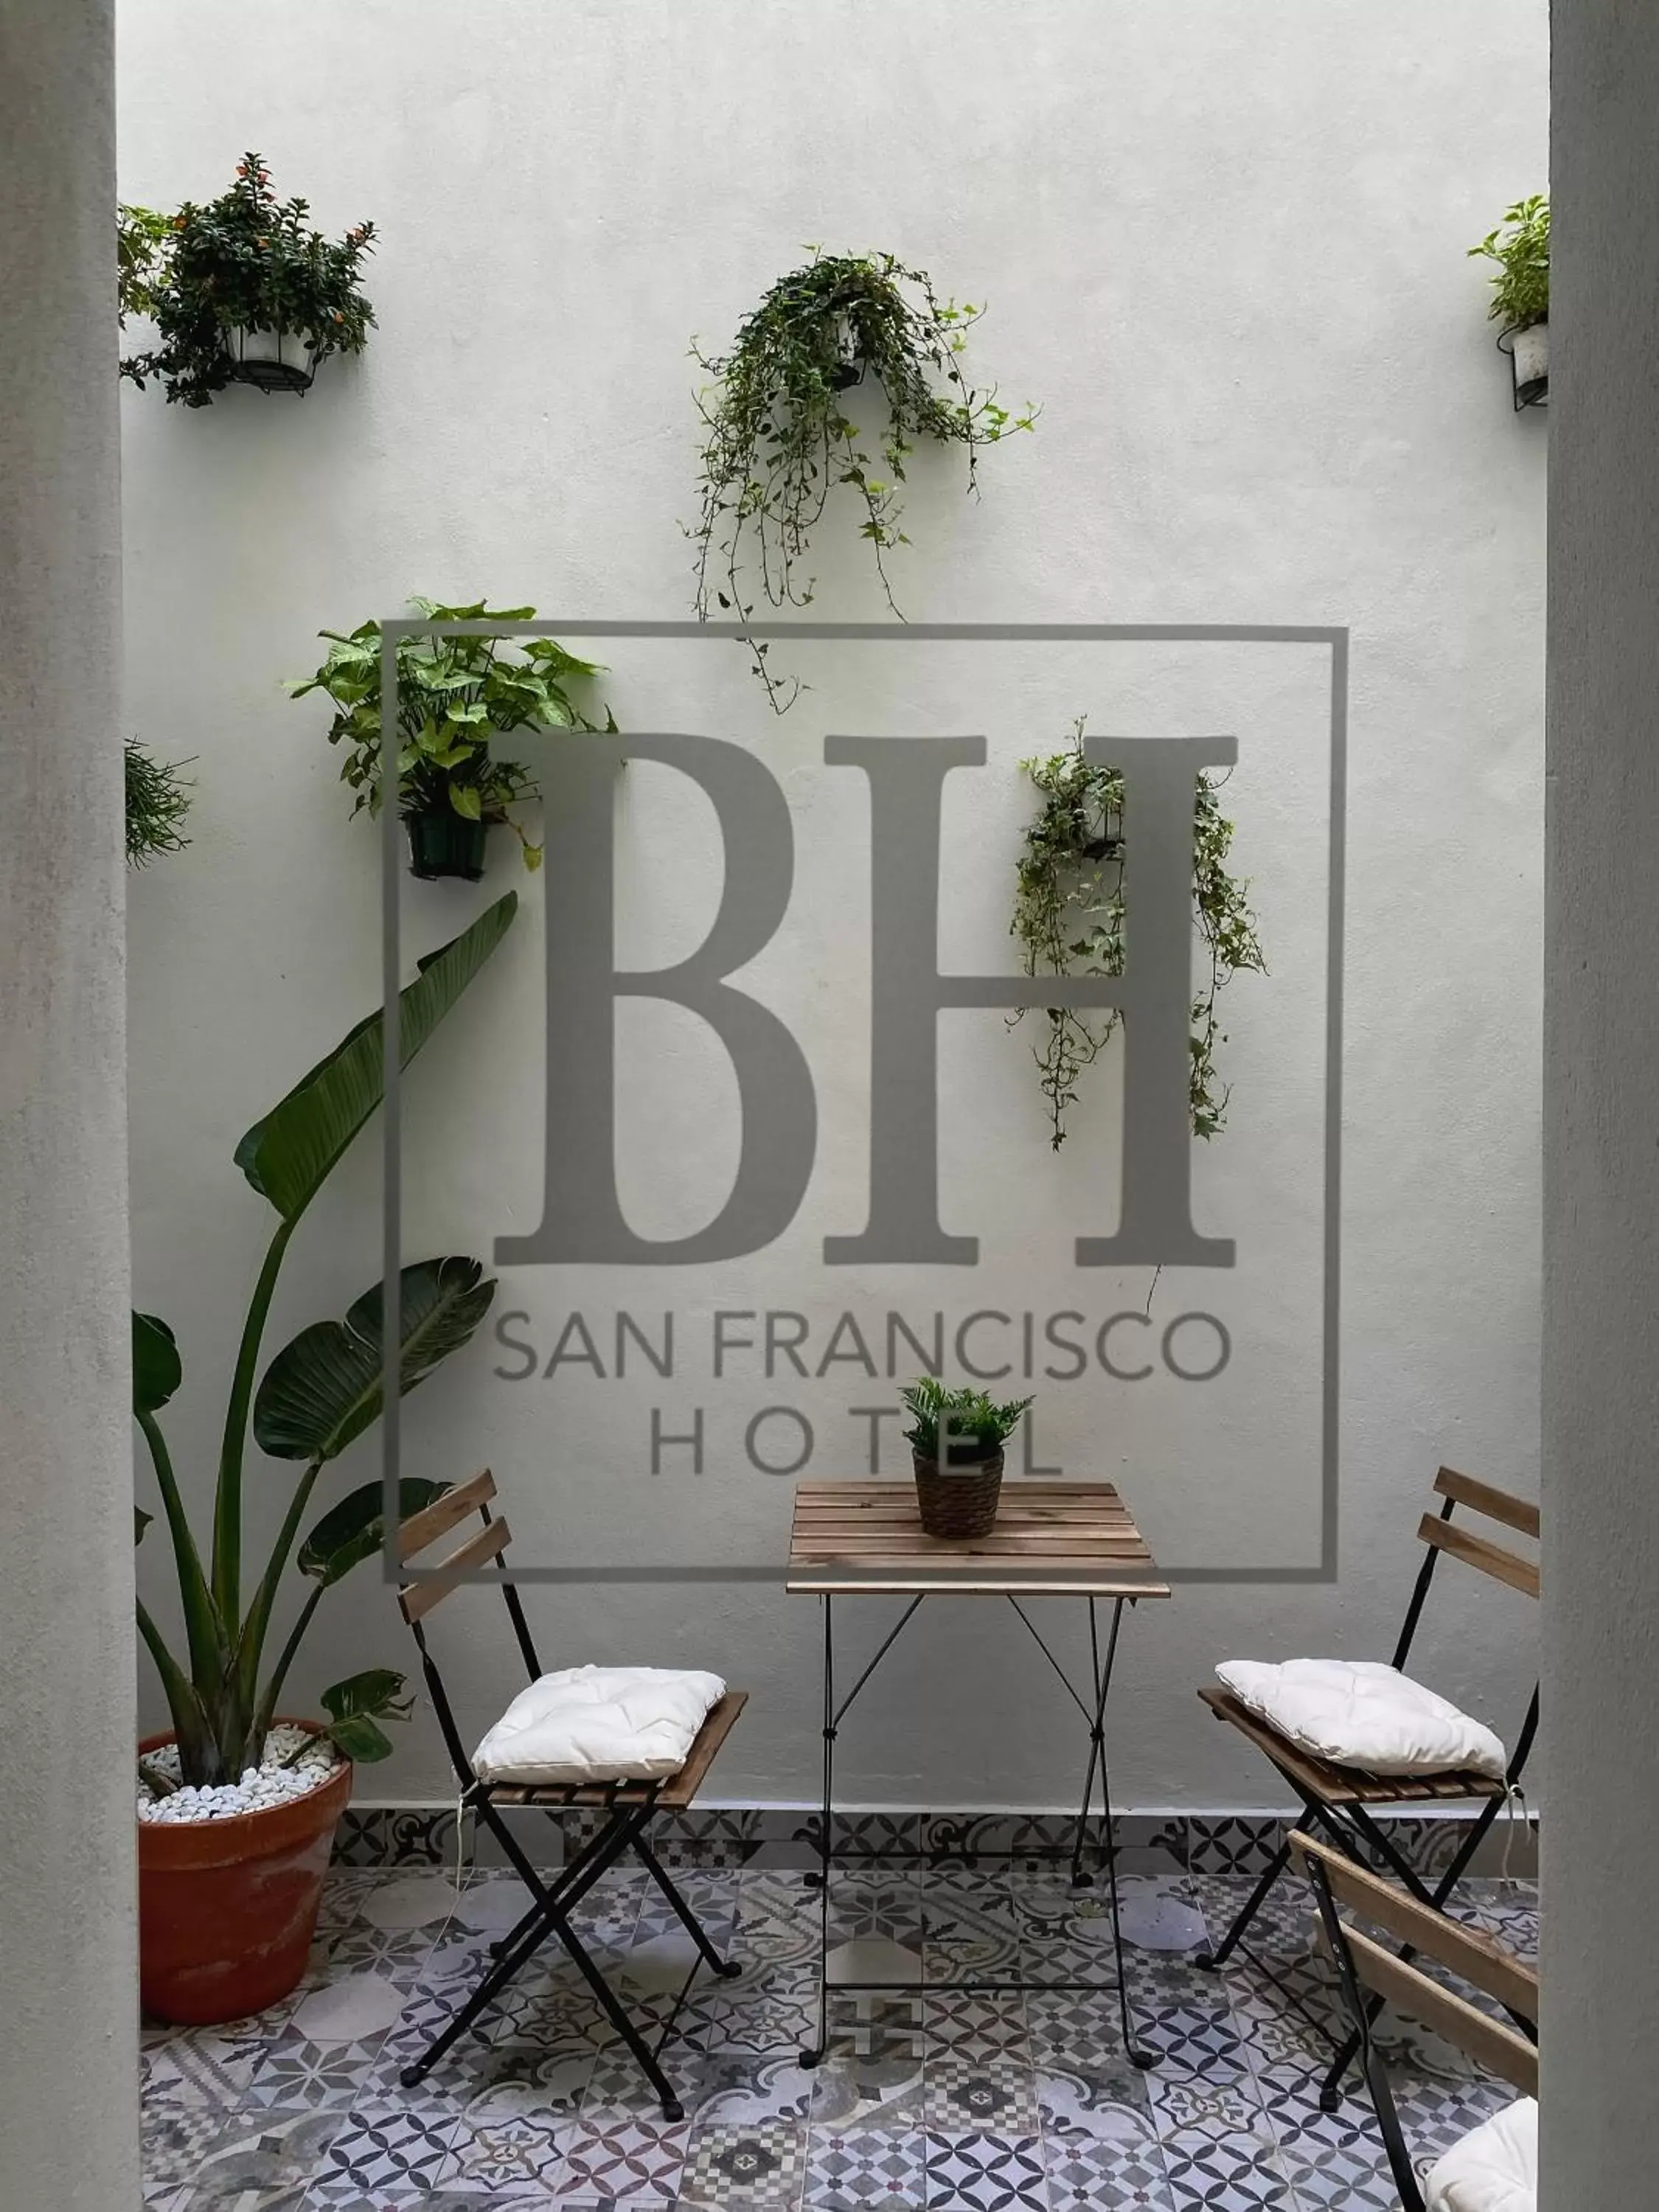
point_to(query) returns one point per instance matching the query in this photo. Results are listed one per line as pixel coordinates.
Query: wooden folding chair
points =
(1362, 1964)
(1343, 1799)
(628, 1807)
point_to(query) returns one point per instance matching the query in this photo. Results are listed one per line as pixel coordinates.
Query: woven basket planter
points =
(959, 1500)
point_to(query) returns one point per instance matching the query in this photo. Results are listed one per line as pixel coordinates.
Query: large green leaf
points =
(156, 1369)
(356, 1706)
(355, 1529)
(288, 1155)
(324, 1389)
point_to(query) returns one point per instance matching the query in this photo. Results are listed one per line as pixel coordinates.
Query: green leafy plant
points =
(779, 438)
(143, 240)
(453, 694)
(158, 801)
(1069, 916)
(1521, 247)
(971, 1425)
(318, 1394)
(244, 262)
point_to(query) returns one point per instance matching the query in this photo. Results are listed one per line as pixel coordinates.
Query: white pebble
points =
(261, 1789)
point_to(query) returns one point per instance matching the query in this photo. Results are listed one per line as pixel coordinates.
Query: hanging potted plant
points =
(1521, 295)
(243, 291)
(237, 1806)
(1069, 914)
(957, 1438)
(453, 694)
(779, 440)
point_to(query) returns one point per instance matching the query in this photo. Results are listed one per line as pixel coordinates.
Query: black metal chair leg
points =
(727, 1969)
(614, 2011)
(487, 1989)
(1213, 1958)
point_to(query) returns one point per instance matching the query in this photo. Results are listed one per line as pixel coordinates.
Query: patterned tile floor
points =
(993, 2104)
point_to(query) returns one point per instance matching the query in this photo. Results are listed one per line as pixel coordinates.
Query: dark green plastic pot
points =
(445, 843)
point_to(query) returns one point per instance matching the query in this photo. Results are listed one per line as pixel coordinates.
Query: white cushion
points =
(1356, 1713)
(598, 1724)
(1493, 2169)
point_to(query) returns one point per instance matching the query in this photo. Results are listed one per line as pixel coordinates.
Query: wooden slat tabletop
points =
(1074, 1539)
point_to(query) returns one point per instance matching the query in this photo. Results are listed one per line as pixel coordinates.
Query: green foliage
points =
(971, 1426)
(1069, 916)
(318, 1395)
(143, 238)
(779, 437)
(1521, 247)
(158, 801)
(246, 261)
(453, 693)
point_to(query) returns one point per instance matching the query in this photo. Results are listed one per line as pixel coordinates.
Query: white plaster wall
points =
(1600, 1181)
(1224, 249)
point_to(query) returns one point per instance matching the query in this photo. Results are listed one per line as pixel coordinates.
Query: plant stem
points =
(227, 1501)
(208, 1647)
(250, 1644)
(266, 1713)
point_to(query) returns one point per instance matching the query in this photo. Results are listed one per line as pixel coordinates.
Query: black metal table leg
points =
(814, 2053)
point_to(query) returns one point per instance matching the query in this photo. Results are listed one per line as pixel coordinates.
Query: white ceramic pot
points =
(288, 347)
(1531, 350)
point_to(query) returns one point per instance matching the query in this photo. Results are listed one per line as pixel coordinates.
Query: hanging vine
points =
(1069, 915)
(779, 440)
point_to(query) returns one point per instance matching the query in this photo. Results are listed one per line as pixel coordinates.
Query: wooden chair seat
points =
(1344, 1786)
(673, 1794)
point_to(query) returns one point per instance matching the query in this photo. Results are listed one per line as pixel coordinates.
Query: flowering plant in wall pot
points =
(453, 694)
(236, 1805)
(779, 440)
(956, 1437)
(1521, 295)
(242, 291)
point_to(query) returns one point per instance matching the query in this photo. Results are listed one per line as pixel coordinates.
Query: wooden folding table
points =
(1052, 1540)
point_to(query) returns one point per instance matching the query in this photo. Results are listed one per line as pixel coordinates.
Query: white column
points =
(1601, 1973)
(68, 1977)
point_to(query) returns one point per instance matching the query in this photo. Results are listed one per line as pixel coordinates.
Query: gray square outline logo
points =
(1333, 639)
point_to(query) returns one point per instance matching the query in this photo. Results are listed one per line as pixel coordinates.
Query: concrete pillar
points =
(68, 1964)
(1600, 1977)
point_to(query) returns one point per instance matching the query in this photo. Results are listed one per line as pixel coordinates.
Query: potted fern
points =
(236, 1805)
(454, 695)
(1520, 245)
(957, 1438)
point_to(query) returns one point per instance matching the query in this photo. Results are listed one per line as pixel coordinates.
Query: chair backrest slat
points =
(1492, 2044)
(1517, 1513)
(1503, 1566)
(437, 1519)
(1477, 1957)
(418, 1598)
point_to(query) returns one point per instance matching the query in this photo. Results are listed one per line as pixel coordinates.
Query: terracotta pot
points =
(226, 1909)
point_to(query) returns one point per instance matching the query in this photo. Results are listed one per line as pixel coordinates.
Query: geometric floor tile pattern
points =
(989, 2103)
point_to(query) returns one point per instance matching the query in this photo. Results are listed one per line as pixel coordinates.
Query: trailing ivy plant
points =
(779, 439)
(244, 262)
(453, 694)
(1069, 916)
(1520, 246)
(158, 801)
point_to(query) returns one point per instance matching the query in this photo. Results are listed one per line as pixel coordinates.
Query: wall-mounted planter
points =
(1528, 350)
(271, 361)
(444, 843)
